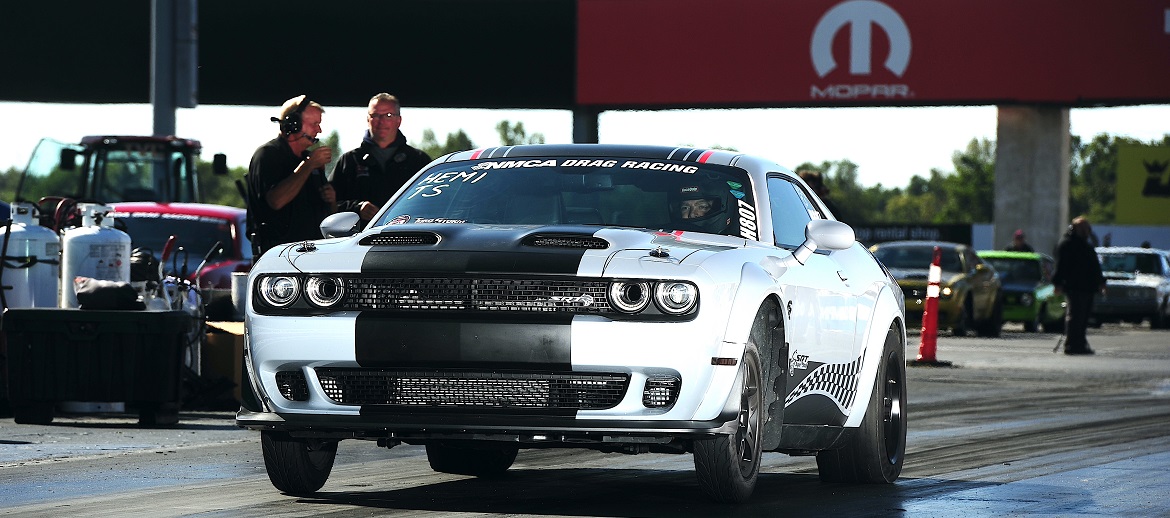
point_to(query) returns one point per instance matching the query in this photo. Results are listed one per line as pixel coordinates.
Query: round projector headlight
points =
(279, 290)
(675, 298)
(324, 291)
(629, 297)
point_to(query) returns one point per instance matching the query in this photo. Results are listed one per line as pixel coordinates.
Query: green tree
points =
(514, 135)
(458, 141)
(970, 192)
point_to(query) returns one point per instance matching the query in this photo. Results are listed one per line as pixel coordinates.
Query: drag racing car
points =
(628, 299)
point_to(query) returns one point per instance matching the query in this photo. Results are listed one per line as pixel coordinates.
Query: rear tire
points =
(297, 467)
(875, 453)
(728, 465)
(484, 459)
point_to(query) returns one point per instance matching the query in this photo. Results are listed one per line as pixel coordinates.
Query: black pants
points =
(1080, 304)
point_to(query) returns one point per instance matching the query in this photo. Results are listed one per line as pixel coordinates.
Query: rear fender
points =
(886, 312)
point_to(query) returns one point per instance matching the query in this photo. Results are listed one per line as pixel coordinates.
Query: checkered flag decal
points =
(838, 381)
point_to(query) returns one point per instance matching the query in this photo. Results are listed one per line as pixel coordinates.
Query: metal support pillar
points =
(585, 125)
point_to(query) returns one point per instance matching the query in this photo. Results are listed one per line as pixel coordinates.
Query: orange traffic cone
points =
(929, 338)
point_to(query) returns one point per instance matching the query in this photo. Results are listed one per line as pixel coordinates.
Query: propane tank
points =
(32, 262)
(95, 249)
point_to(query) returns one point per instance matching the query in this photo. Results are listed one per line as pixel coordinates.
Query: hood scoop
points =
(400, 239)
(558, 240)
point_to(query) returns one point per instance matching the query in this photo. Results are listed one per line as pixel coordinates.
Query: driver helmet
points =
(701, 206)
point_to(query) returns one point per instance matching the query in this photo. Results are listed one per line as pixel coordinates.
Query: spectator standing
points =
(1018, 243)
(288, 194)
(1078, 275)
(366, 177)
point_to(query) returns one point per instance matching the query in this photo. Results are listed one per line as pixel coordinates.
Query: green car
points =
(1029, 296)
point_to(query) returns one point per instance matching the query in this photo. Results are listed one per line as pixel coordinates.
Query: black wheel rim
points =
(748, 436)
(893, 408)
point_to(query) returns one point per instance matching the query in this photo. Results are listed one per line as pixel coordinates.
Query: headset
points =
(291, 123)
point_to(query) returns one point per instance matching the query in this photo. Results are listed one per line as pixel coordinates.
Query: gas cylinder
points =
(95, 249)
(32, 262)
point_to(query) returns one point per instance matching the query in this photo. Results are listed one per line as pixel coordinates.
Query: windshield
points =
(195, 234)
(45, 176)
(109, 171)
(918, 258)
(147, 173)
(1015, 270)
(1132, 263)
(613, 192)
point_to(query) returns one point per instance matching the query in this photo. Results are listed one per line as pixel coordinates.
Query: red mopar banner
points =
(661, 53)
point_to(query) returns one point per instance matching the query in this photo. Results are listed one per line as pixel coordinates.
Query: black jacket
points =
(358, 177)
(1077, 266)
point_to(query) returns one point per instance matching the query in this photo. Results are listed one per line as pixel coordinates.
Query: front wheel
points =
(1033, 326)
(875, 453)
(966, 318)
(728, 465)
(993, 325)
(1158, 319)
(297, 467)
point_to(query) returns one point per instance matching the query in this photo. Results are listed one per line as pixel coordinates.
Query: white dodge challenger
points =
(629, 299)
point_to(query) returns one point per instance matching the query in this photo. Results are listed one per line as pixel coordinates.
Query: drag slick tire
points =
(728, 465)
(477, 459)
(875, 453)
(297, 467)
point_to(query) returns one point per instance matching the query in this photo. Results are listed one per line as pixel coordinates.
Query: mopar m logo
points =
(860, 16)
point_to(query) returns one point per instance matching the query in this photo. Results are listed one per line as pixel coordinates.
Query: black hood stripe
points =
(465, 249)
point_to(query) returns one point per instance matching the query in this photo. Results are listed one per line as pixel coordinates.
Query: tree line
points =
(964, 195)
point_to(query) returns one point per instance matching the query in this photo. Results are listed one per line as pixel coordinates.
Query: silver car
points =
(633, 299)
(1137, 286)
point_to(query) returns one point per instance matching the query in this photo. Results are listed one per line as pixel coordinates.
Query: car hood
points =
(576, 250)
(920, 276)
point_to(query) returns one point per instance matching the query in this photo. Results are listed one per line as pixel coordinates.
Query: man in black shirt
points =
(366, 177)
(288, 194)
(1078, 275)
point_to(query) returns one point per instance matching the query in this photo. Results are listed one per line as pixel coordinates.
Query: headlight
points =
(324, 291)
(946, 292)
(279, 291)
(1026, 299)
(675, 298)
(629, 297)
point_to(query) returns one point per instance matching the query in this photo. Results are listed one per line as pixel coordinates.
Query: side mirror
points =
(219, 164)
(68, 160)
(824, 233)
(341, 224)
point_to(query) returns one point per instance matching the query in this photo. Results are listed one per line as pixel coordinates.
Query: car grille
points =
(465, 294)
(1130, 292)
(914, 292)
(473, 389)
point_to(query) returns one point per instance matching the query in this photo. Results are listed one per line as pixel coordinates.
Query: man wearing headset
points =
(288, 194)
(366, 177)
